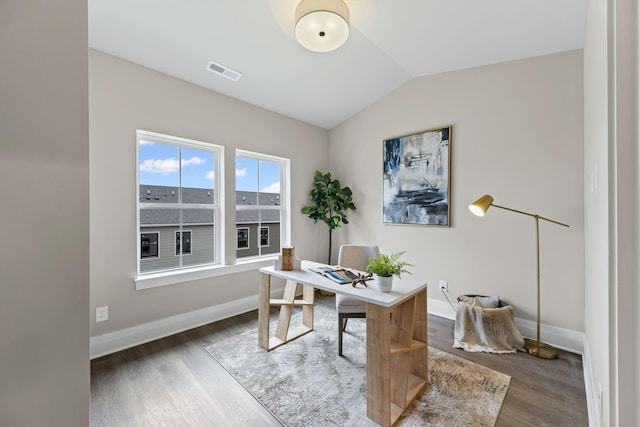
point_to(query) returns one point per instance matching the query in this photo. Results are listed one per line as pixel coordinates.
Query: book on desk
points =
(340, 274)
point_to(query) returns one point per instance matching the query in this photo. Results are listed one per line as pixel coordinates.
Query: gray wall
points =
(517, 135)
(201, 247)
(44, 169)
(124, 97)
(254, 240)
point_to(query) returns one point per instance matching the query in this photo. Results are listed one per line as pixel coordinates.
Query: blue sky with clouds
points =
(160, 165)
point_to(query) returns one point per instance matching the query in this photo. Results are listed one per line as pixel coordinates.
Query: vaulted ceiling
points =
(391, 42)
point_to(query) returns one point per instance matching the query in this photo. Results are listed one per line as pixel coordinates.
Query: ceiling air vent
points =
(227, 72)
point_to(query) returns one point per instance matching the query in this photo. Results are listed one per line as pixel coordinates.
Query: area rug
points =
(306, 383)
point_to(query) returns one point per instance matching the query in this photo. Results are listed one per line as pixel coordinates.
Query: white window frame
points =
(260, 227)
(218, 194)
(140, 257)
(227, 263)
(285, 198)
(175, 242)
(248, 239)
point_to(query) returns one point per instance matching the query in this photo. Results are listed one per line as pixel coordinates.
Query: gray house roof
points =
(250, 198)
(163, 194)
(246, 198)
(172, 216)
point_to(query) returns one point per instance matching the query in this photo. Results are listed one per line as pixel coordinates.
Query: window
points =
(264, 236)
(149, 245)
(181, 204)
(261, 206)
(177, 188)
(243, 238)
(183, 245)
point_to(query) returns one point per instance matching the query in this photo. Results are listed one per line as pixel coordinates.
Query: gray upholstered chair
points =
(356, 257)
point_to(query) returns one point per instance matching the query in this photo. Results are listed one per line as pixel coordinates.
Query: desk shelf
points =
(292, 334)
(295, 303)
(397, 351)
(399, 348)
(403, 371)
(284, 332)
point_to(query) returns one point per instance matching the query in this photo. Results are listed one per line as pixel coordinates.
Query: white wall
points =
(612, 229)
(517, 135)
(596, 204)
(124, 97)
(44, 170)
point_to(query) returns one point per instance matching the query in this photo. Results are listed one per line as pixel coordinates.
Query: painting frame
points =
(416, 174)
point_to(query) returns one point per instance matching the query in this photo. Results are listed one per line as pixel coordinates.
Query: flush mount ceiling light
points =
(322, 25)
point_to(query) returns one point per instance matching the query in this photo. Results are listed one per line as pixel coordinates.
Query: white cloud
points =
(167, 166)
(161, 166)
(193, 161)
(241, 172)
(273, 188)
(211, 175)
(146, 143)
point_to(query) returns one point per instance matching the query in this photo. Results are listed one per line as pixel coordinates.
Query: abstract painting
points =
(416, 171)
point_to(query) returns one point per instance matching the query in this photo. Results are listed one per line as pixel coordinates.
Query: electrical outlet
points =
(102, 313)
(444, 285)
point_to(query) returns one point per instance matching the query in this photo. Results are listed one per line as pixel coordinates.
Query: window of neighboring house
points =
(243, 238)
(183, 244)
(149, 245)
(264, 236)
(177, 188)
(261, 200)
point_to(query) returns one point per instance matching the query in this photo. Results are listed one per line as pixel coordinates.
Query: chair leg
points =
(344, 327)
(340, 329)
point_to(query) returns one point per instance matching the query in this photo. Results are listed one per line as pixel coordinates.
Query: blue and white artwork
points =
(416, 178)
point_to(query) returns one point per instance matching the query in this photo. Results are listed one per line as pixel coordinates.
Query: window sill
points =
(173, 277)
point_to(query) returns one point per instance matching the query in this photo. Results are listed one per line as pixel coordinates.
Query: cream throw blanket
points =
(479, 328)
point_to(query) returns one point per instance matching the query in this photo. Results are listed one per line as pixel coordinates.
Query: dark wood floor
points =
(174, 382)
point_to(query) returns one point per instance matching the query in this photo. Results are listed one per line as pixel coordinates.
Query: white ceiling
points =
(391, 42)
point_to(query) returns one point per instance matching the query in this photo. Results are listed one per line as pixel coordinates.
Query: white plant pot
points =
(385, 283)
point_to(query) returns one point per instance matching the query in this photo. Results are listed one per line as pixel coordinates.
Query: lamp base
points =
(542, 350)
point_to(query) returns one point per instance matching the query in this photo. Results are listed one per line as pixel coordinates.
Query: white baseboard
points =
(112, 342)
(440, 308)
(593, 403)
(564, 339)
(561, 338)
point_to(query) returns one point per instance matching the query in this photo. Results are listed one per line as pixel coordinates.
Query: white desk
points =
(397, 333)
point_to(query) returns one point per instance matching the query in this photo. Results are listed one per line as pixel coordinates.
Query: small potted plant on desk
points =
(385, 267)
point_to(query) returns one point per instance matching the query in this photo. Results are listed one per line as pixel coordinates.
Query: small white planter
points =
(384, 283)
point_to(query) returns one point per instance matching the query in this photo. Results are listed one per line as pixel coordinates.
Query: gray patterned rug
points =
(306, 383)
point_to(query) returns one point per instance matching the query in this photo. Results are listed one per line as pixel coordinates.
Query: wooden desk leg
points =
(397, 353)
(420, 358)
(378, 364)
(264, 296)
(284, 319)
(307, 310)
(283, 332)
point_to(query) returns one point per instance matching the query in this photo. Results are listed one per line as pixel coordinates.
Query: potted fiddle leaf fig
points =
(387, 266)
(329, 203)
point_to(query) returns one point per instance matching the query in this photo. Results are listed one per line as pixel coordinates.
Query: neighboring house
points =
(257, 230)
(163, 246)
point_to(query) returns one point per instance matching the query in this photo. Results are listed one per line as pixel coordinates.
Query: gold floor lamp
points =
(479, 208)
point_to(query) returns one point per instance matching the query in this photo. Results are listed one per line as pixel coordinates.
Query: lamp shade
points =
(480, 206)
(322, 25)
